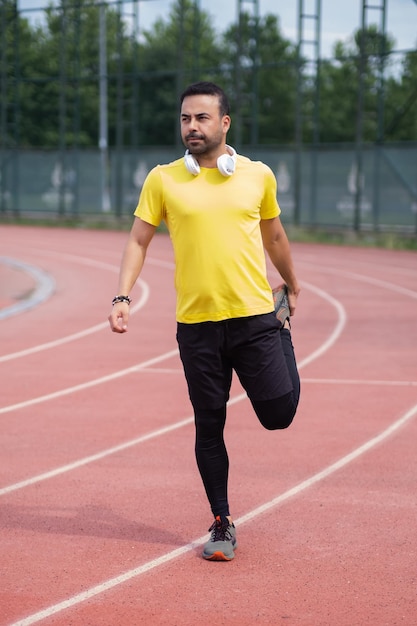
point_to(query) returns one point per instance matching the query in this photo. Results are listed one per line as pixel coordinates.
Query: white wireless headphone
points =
(226, 163)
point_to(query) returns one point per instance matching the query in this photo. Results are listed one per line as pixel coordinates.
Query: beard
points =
(205, 145)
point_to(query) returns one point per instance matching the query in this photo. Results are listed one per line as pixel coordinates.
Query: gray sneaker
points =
(222, 543)
(281, 306)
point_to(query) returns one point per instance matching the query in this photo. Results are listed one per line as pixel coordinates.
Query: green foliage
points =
(49, 78)
(340, 83)
(401, 105)
(177, 51)
(261, 80)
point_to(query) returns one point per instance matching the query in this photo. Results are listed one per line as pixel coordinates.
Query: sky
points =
(340, 18)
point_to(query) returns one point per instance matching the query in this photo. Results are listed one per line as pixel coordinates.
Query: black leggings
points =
(210, 449)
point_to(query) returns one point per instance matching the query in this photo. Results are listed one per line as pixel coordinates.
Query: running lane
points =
(102, 510)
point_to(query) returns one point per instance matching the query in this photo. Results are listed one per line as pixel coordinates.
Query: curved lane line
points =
(360, 382)
(87, 385)
(377, 282)
(134, 368)
(157, 433)
(93, 329)
(170, 556)
(88, 331)
(45, 286)
(79, 335)
(319, 476)
(98, 589)
(341, 322)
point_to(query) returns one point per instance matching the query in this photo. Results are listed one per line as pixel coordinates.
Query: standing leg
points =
(213, 463)
(212, 458)
(209, 376)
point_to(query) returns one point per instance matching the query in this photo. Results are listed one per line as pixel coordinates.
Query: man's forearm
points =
(279, 252)
(131, 266)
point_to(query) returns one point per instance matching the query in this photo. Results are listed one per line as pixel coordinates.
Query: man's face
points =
(202, 127)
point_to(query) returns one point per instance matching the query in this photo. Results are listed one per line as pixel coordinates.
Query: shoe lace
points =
(220, 530)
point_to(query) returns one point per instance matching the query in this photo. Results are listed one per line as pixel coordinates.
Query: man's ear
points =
(226, 121)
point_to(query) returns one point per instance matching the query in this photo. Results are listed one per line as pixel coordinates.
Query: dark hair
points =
(205, 88)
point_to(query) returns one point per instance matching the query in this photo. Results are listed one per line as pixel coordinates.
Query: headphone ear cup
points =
(191, 164)
(226, 165)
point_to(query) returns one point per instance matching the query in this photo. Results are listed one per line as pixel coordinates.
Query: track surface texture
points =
(102, 511)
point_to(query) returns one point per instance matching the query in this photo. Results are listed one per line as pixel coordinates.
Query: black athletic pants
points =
(263, 357)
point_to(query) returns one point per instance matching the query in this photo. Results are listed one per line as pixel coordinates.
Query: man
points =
(222, 213)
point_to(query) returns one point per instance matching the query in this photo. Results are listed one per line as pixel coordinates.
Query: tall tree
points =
(262, 80)
(17, 43)
(340, 82)
(49, 78)
(401, 106)
(181, 49)
(69, 64)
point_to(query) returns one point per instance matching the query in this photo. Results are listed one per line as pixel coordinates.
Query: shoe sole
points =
(218, 556)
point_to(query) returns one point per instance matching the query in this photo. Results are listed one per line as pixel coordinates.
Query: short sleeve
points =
(270, 207)
(150, 207)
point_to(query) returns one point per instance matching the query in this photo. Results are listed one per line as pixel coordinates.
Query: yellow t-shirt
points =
(213, 222)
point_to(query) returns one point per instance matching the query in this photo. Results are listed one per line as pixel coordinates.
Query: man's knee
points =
(276, 414)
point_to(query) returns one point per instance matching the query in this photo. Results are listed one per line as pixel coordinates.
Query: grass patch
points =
(347, 237)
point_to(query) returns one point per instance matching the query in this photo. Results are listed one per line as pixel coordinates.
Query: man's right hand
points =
(119, 317)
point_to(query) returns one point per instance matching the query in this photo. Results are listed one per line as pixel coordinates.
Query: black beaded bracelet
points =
(121, 299)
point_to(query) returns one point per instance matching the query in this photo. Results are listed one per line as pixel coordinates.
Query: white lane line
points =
(88, 331)
(314, 381)
(390, 266)
(334, 467)
(70, 466)
(365, 279)
(174, 554)
(88, 384)
(43, 290)
(105, 453)
(167, 265)
(337, 331)
(95, 457)
(82, 333)
(341, 321)
(355, 381)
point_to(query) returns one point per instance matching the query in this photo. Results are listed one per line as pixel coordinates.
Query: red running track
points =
(102, 510)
